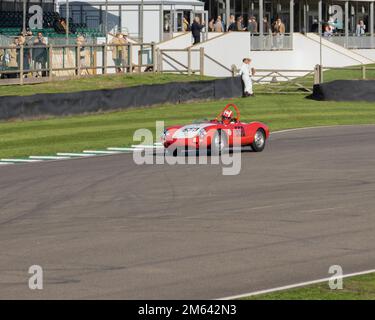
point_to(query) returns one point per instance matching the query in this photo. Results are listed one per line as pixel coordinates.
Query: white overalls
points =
(246, 78)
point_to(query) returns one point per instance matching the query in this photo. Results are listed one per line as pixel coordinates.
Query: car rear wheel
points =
(259, 140)
(219, 142)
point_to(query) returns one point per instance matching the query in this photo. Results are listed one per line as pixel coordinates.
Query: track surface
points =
(106, 228)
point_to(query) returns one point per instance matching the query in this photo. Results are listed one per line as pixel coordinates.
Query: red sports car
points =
(226, 131)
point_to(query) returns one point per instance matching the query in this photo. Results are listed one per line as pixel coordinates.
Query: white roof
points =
(135, 2)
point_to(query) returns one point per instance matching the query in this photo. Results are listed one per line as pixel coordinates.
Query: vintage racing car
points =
(224, 132)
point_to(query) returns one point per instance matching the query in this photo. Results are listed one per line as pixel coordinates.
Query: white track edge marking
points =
(296, 285)
(156, 145)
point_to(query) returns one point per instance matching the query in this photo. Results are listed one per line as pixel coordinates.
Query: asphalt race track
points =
(104, 227)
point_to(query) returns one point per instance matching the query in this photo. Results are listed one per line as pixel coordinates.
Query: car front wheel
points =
(259, 140)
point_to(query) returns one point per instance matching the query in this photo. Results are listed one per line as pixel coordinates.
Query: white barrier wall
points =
(368, 53)
(327, 42)
(226, 48)
(181, 41)
(230, 48)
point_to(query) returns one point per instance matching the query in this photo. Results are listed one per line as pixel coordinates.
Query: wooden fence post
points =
(363, 72)
(233, 70)
(160, 61)
(130, 57)
(50, 52)
(201, 61)
(21, 64)
(320, 73)
(189, 61)
(157, 54)
(316, 74)
(105, 48)
(78, 60)
(140, 58)
(153, 57)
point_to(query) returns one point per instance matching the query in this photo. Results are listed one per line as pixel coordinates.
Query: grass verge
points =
(75, 133)
(96, 83)
(354, 288)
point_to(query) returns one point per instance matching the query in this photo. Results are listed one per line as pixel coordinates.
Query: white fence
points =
(353, 42)
(271, 42)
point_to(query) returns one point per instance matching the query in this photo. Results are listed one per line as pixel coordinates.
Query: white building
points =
(157, 23)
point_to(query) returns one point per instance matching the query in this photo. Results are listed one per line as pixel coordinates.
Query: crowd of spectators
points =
(333, 27)
(119, 50)
(34, 55)
(61, 26)
(234, 24)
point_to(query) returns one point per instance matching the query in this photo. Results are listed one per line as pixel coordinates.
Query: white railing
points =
(269, 42)
(352, 41)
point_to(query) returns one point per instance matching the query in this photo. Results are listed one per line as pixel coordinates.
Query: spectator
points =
(332, 23)
(196, 28)
(232, 23)
(246, 72)
(360, 29)
(279, 31)
(29, 37)
(266, 26)
(12, 63)
(328, 30)
(211, 25)
(278, 27)
(239, 24)
(252, 25)
(167, 25)
(60, 26)
(82, 54)
(26, 54)
(267, 39)
(119, 51)
(315, 26)
(186, 24)
(2, 62)
(40, 54)
(219, 25)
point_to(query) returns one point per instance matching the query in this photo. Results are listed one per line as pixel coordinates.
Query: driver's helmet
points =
(226, 117)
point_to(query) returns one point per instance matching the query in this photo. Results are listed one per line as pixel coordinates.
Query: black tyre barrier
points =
(345, 90)
(59, 104)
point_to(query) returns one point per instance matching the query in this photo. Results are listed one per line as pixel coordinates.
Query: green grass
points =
(75, 133)
(127, 80)
(354, 288)
(95, 83)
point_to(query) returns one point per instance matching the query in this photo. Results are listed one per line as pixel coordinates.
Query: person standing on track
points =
(246, 73)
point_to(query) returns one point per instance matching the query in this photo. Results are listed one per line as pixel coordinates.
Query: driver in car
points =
(227, 117)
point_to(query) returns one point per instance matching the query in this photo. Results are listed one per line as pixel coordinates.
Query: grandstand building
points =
(304, 14)
(162, 17)
(303, 44)
(158, 20)
(147, 20)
